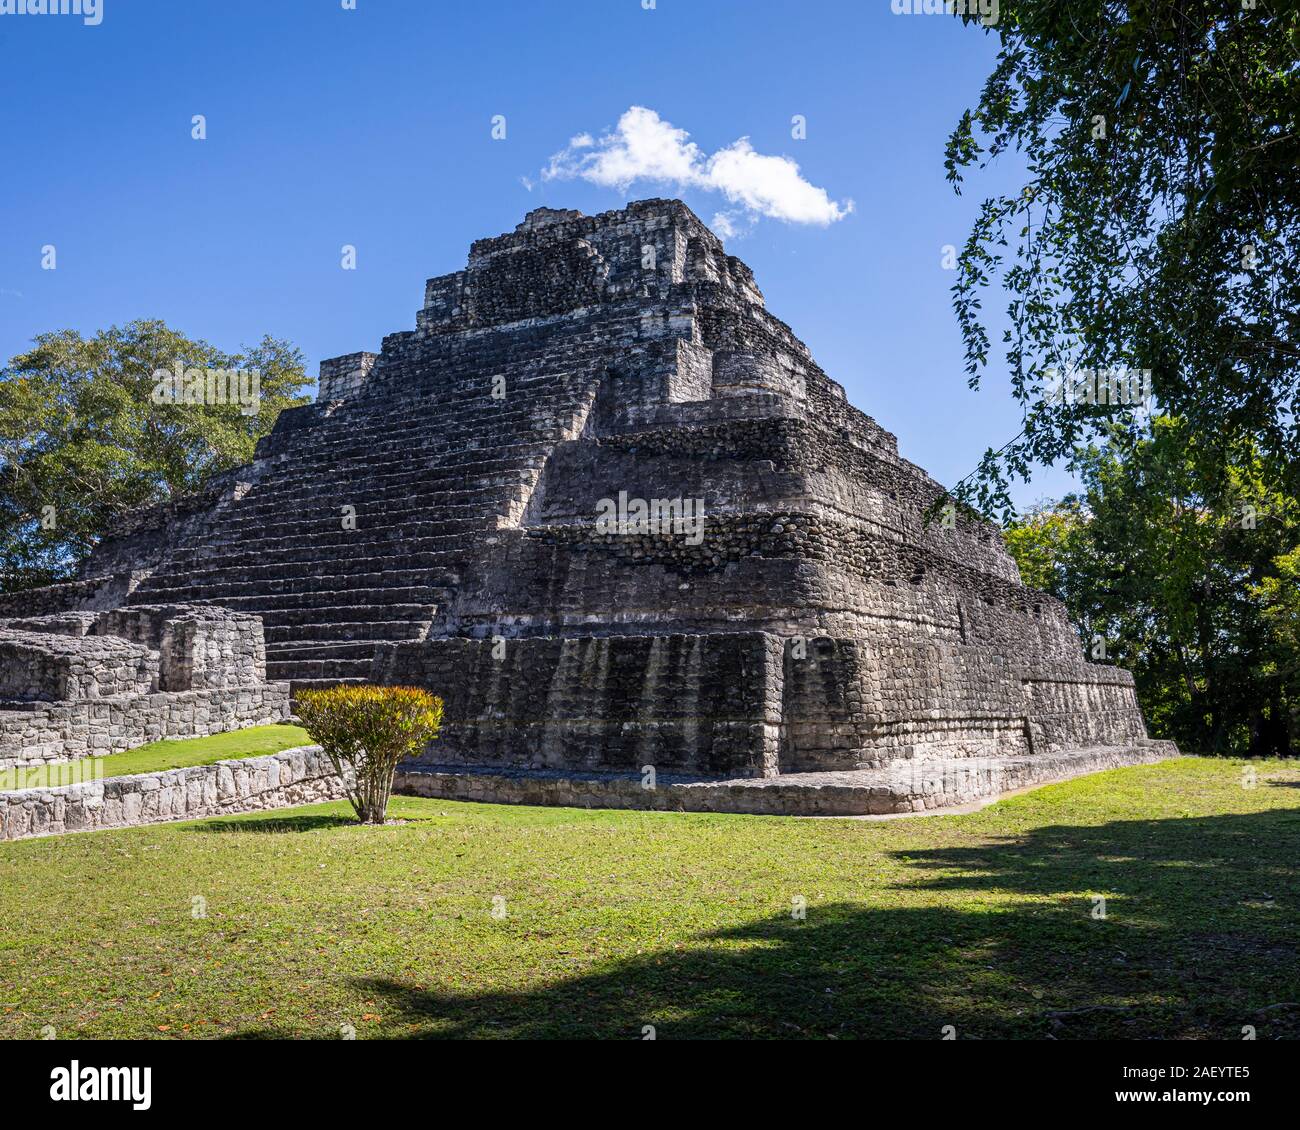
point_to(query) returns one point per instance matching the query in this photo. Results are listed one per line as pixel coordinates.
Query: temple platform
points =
(905, 787)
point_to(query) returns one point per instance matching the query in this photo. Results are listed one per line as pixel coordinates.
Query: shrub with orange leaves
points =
(365, 731)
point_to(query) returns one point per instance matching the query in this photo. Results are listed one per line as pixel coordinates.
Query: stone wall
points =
(100, 591)
(53, 666)
(1073, 703)
(57, 623)
(739, 374)
(753, 704)
(853, 704)
(74, 684)
(296, 776)
(342, 377)
(705, 704)
(54, 731)
(200, 648)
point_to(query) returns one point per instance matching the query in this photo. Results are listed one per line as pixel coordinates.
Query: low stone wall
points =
(917, 786)
(296, 776)
(36, 732)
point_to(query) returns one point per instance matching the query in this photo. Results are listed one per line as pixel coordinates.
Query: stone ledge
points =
(917, 786)
(302, 775)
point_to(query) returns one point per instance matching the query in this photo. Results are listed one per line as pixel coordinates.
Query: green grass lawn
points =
(617, 920)
(177, 754)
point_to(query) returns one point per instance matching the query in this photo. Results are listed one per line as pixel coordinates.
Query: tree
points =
(1191, 583)
(88, 431)
(1158, 226)
(365, 732)
(1042, 541)
(1280, 596)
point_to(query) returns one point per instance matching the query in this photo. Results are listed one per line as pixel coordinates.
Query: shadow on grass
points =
(1199, 939)
(273, 824)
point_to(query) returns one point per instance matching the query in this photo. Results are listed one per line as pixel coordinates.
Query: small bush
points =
(367, 731)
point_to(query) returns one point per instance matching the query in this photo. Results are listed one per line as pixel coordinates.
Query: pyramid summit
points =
(610, 508)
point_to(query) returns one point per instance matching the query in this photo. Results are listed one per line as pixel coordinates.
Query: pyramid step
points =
(415, 596)
(295, 669)
(345, 614)
(417, 566)
(209, 556)
(270, 587)
(347, 546)
(295, 650)
(356, 630)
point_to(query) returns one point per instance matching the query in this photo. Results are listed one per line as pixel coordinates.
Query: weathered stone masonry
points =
(293, 777)
(824, 623)
(83, 683)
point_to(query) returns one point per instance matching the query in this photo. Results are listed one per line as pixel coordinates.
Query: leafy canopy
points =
(82, 439)
(1191, 583)
(1158, 226)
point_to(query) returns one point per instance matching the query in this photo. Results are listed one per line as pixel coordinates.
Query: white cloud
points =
(644, 147)
(724, 225)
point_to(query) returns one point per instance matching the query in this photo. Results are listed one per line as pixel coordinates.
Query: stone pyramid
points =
(610, 509)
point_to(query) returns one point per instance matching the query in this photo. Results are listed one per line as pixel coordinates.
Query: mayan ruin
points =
(610, 509)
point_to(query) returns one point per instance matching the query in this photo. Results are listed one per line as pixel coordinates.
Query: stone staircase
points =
(421, 473)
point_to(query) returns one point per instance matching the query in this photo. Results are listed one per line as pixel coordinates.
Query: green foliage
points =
(366, 731)
(82, 439)
(1280, 599)
(1158, 226)
(1041, 540)
(1191, 581)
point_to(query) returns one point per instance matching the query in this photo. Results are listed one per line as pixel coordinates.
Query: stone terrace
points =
(79, 683)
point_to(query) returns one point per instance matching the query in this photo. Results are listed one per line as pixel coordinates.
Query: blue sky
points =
(372, 127)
